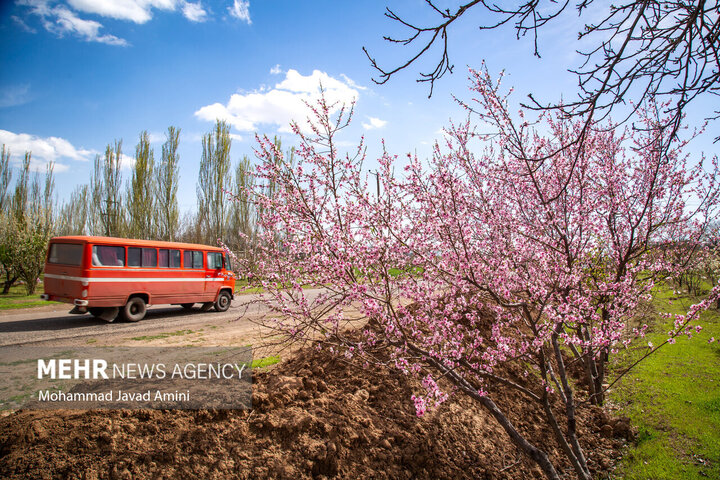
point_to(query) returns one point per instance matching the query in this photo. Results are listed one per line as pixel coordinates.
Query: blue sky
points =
(78, 74)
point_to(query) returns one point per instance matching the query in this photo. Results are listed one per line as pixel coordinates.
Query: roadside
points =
(673, 398)
(313, 416)
(17, 298)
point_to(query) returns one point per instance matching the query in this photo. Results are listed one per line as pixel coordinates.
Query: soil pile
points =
(313, 416)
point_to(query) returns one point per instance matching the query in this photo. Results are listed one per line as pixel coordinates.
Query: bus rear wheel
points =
(134, 310)
(223, 301)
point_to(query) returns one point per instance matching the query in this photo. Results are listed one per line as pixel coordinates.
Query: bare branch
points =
(666, 49)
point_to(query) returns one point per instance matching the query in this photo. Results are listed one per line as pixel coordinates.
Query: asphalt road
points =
(53, 325)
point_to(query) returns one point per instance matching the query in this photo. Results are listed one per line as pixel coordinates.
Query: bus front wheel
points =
(134, 310)
(223, 301)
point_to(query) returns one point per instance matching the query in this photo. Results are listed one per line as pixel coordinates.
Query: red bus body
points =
(95, 273)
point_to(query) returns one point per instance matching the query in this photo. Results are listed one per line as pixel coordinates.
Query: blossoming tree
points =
(482, 267)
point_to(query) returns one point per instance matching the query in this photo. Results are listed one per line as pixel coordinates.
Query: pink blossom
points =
(546, 238)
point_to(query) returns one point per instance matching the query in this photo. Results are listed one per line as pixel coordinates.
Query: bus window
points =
(192, 259)
(134, 257)
(65, 254)
(226, 260)
(197, 260)
(142, 257)
(214, 260)
(149, 257)
(163, 258)
(106, 256)
(174, 258)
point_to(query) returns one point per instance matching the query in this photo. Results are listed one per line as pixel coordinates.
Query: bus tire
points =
(134, 310)
(187, 306)
(206, 306)
(223, 301)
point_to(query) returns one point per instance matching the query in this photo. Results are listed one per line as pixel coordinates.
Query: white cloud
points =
(282, 104)
(126, 162)
(350, 82)
(236, 137)
(194, 12)
(13, 95)
(60, 20)
(138, 11)
(276, 70)
(241, 10)
(67, 21)
(44, 150)
(374, 123)
(22, 24)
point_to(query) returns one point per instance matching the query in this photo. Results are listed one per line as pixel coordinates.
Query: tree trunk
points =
(31, 287)
(576, 454)
(9, 282)
(540, 457)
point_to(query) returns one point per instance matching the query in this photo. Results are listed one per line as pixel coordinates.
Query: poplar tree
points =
(5, 178)
(106, 195)
(140, 204)
(213, 182)
(20, 197)
(49, 197)
(241, 209)
(74, 217)
(95, 222)
(166, 186)
(270, 187)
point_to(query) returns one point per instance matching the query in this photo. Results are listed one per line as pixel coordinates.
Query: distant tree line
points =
(145, 206)
(26, 222)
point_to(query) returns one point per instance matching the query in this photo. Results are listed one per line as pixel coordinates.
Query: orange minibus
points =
(106, 276)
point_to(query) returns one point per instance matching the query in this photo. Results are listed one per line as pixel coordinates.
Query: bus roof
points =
(132, 242)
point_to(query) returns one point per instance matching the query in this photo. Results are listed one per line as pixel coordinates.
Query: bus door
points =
(213, 273)
(193, 269)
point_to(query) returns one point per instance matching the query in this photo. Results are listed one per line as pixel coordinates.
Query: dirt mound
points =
(314, 416)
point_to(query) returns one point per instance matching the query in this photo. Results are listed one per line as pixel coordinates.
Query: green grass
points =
(17, 298)
(412, 271)
(241, 287)
(148, 338)
(265, 362)
(673, 397)
(262, 362)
